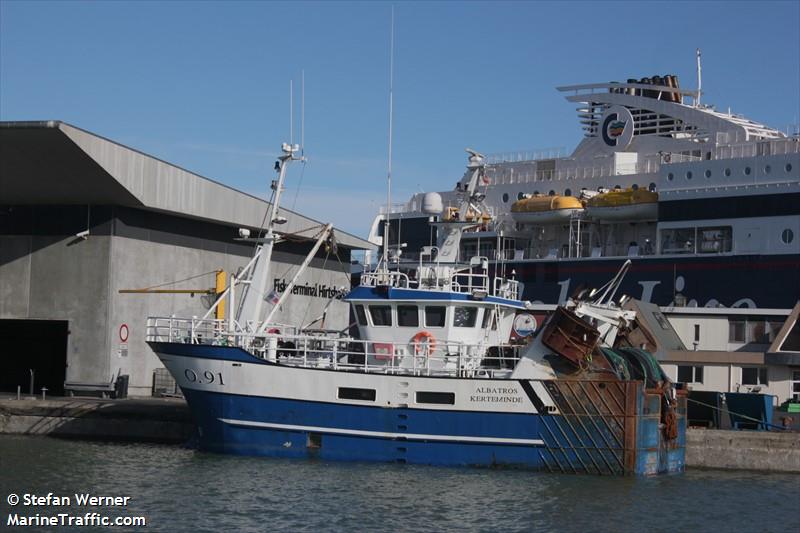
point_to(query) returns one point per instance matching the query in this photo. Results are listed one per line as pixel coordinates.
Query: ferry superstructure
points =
(705, 203)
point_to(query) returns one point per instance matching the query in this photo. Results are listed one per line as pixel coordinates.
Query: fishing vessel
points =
(704, 203)
(432, 375)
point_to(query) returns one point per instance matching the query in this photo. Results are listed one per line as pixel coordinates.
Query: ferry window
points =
(434, 316)
(465, 317)
(736, 330)
(754, 375)
(767, 169)
(520, 195)
(567, 192)
(677, 241)
(670, 176)
(349, 393)
(714, 240)
(407, 315)
(652, 187)
(787, 236)
(485, 318)
(727, 172)
(551, 193)
(381, 315)
(635, 187)
(361, 315)
(788, 167)
(690, 374)
(445, 398)
(505, 197)
(746, 171)
(689, 175)
(708, 173)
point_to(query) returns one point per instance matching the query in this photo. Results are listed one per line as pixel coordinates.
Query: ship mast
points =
(386, 226)
(253, 300)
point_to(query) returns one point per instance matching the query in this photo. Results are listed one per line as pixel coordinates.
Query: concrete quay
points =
(772, 451)
(161, 420)
(169, 421)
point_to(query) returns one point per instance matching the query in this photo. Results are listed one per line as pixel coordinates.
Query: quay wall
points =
(148, 420)
(743, 450)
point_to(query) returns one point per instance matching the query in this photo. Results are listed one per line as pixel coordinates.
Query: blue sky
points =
(205, 85)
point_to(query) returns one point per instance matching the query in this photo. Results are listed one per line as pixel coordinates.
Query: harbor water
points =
(179, 489)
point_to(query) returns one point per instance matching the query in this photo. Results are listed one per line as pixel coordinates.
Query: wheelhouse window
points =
(434, 316)
(690, 374)
(381, 315)
(465, 317)
(407, 316)
(361, 315)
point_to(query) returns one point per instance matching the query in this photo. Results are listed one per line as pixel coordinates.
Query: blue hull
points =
(245, 438)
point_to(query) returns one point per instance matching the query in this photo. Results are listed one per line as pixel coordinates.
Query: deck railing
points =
(327, 349)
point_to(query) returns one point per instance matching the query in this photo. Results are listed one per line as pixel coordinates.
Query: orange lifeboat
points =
(541, 209)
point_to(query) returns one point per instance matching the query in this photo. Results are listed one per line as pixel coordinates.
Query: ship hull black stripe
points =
(764, 205)
(534, 398)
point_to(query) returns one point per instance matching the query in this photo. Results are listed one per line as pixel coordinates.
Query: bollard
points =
(32, 374)
(44, 391)
(19, 390)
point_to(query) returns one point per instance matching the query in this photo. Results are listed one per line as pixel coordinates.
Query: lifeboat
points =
(626, 204)
(540, 209)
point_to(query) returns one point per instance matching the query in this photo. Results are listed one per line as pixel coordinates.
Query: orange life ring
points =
(428, 344)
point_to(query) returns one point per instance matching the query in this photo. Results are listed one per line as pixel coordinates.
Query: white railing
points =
(395, 209)
(444, 279)
(323, 349)
(518, 156)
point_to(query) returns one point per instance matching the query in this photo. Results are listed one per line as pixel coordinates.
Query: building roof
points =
(55, 163)
(785, 349)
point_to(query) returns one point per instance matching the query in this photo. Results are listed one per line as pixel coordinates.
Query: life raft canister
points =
(424, 343)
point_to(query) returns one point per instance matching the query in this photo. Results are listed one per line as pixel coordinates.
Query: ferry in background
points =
(706, 205)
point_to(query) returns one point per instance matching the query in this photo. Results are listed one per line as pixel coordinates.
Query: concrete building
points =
(736, 350)
(83, 217)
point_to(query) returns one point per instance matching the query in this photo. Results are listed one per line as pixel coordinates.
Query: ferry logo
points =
(616, 128)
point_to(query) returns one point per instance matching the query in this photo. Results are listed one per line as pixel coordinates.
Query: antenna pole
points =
(291, 114)
(389, 171)
(302, 112)
(699, 80)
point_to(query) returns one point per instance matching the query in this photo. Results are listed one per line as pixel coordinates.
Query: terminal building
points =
(83, 218)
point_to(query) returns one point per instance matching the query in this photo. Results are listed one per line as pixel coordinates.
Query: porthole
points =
(787, 236)
(505, 197)
(567, 192)
(520, 196)
(767, 169)
(689, 175)
(635, 187)
(670, 176)
(652, 187)
(708, 173)
(747, 171)
(727, 172)
(551, 193)
(788, 167)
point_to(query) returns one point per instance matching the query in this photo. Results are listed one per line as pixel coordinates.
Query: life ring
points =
(424, 340)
